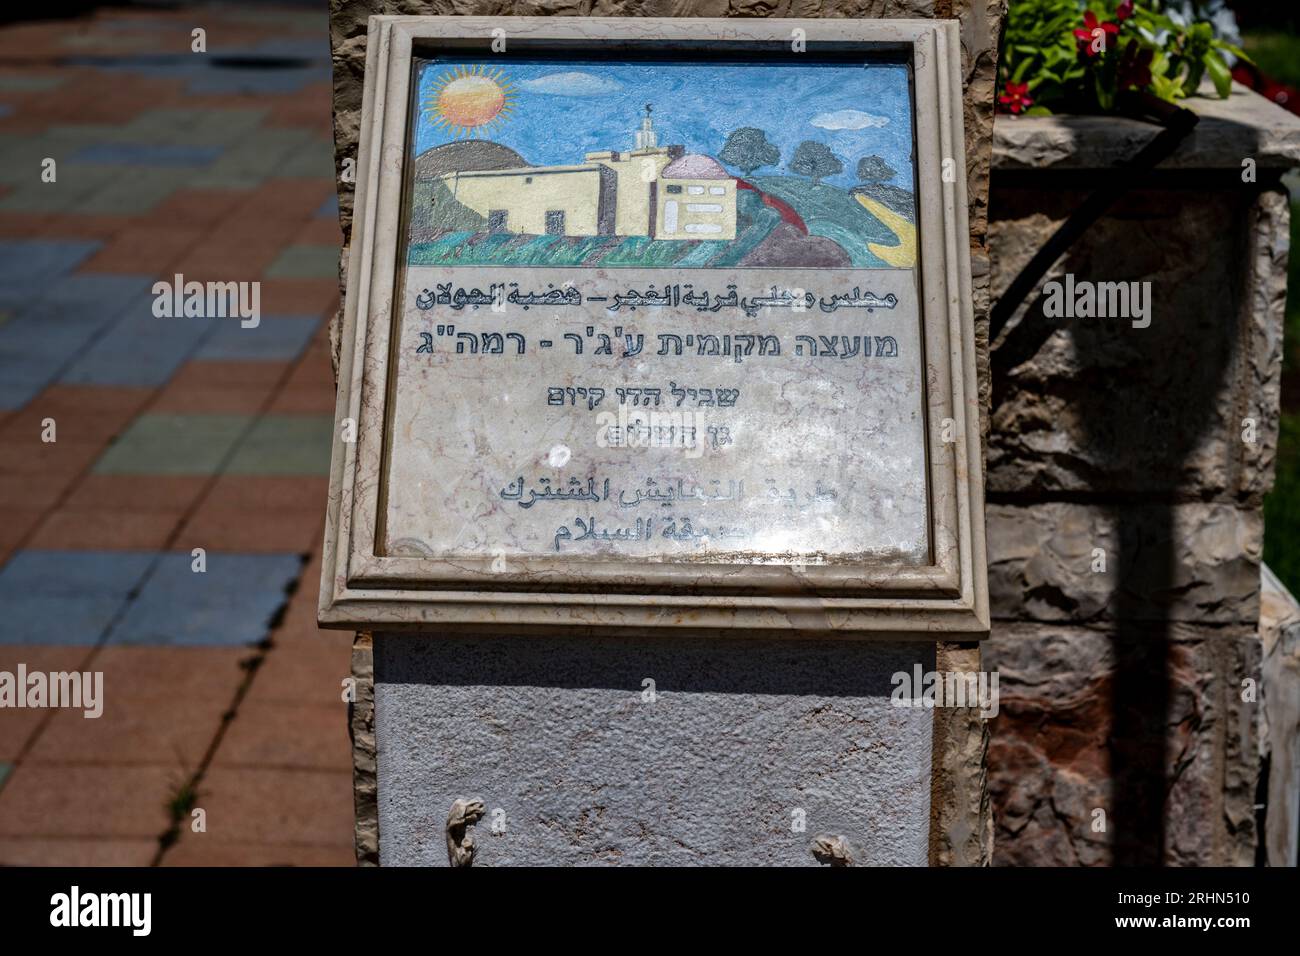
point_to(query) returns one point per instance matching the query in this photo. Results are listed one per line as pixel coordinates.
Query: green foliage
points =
(815, 160)
(874, 169)
(748, 149)
(1078, 56)
(1276, 54)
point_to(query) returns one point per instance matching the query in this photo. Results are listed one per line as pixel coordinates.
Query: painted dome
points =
(694, 166)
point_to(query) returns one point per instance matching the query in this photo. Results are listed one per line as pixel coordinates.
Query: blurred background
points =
(170, 435)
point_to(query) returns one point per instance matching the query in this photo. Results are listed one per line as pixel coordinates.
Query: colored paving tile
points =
(146, 154)
(140, 349)
(274, 339)
(308, 262)
(52, 331)
(66, 597)
(285, 445)
(232, 602)
(160, 444)
(19, 83)
(29, 266)
(68, 573)
(240, 182)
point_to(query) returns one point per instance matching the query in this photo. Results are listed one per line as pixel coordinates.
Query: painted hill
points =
(433, 209)
(464, 155)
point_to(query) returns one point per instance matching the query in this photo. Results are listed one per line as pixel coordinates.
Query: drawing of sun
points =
(469, 100)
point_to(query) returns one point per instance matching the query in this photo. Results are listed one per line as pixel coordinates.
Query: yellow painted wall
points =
(635, 172)
(575, 192)
(725, 219)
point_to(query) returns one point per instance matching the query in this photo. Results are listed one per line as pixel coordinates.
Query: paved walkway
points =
(171, 434)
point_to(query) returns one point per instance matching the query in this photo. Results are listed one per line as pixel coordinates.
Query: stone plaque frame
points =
(363, 588)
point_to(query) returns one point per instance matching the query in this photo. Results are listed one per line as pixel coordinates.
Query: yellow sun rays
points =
(469, 101)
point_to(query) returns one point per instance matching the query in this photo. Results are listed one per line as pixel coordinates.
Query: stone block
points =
(1124, 746)
(1185, 407)
(1157, 562)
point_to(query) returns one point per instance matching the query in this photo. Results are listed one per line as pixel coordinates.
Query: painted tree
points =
(748, 149)
(815, 160)
(873, 170)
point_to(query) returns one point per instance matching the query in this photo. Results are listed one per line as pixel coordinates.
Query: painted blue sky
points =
(563, 109)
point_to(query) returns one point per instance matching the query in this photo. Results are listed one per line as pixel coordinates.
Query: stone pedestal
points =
(1126, 470)
(665, 750)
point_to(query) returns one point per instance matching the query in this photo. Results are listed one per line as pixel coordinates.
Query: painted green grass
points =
(754, 221)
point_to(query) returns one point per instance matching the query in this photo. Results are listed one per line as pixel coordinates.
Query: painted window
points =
(704, 207)
(695, 190)
(704, 227)
(670, 216)
(555, 222)
(718, 190)
(497, 219)
(673, 189)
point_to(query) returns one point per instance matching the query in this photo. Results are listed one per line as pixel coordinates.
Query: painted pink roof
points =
(694, 166)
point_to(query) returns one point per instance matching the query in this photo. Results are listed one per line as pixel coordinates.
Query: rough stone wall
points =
(1124, 526)
(961, 824)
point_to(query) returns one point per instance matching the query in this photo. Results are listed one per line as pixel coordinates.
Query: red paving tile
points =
(268, 493)
(188, 673)
(251, 532)
(77, 226)
(299, 296)
(304, 666)
(15, 525)
(208, 373)
(143, 250)
(292, 735)
(319, 231)
(31, 456)
(286, 199)
(138, 494)
(197, 207)
(194, 849)
(80, 414)
(105, 531)
(275, 807)
(159, 731)
(80, 801)
(22, 225)
(224, 259)
(18, 724)
(56, 851)
(311, 400)
(230, 399)
(33, 492)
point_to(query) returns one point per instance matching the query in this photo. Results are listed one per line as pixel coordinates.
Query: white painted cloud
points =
(848, 119)
(571, 84)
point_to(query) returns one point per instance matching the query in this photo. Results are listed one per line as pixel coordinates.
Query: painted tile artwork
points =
(694, 279)
(747, 164)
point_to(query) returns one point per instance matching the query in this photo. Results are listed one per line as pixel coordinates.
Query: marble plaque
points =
(645, 336)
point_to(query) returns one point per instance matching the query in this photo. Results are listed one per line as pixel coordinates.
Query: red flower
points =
(1135, 67)
(1088, 32)
(1124, 10)
(1015, 99)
